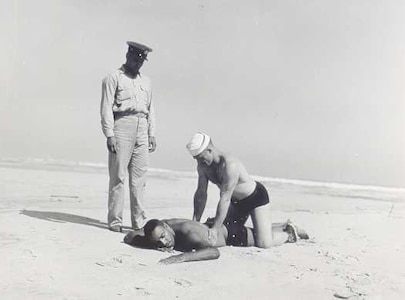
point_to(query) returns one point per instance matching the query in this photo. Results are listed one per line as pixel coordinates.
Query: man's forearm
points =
(203, 254)
(200, 200)
(222, 210)
(151, 121)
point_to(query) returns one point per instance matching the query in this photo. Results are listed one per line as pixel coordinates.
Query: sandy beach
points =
(55, 245)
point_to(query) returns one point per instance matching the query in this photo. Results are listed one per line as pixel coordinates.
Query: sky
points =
(311, 90)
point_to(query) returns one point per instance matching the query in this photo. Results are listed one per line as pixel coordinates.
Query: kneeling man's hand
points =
(212, 236)
(209, 222)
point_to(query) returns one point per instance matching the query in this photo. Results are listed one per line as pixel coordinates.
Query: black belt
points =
(118, 114)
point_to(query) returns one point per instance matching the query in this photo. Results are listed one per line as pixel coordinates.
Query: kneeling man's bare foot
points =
(302, 233)
(292, 233)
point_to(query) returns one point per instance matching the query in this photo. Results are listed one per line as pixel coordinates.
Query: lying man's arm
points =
(202, 254)
(195, 244)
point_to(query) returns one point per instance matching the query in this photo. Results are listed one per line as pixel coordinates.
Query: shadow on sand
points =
(60, 217)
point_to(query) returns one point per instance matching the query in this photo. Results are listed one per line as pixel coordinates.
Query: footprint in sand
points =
(183, 282)
(144, 291)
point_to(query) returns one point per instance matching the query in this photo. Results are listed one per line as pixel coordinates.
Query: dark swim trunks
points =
(237, 235)
(241, 209)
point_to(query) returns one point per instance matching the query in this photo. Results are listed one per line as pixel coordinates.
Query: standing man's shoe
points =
(116, 228)
(140, 222)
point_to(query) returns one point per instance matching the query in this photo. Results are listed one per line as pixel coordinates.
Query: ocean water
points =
(303, 187)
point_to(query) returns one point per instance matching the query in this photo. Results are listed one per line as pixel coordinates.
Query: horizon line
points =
(294, 181)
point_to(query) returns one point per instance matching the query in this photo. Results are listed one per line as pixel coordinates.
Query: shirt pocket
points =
(143, 96)
(122, 94)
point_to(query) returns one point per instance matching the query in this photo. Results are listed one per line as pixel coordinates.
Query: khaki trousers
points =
(132, 158)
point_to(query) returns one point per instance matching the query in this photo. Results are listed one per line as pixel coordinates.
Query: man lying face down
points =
(192, 238)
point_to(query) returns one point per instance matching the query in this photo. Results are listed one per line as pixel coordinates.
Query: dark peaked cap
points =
(136, 47)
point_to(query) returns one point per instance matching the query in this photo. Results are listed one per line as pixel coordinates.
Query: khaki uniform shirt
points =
(121, 94)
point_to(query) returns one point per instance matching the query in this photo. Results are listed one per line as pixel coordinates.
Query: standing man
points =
(128, 122)
(240, 195)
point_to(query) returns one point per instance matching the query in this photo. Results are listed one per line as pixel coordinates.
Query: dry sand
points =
(55, 245)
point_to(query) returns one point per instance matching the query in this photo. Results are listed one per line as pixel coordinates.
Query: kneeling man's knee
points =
(263, 244)
(263, 239)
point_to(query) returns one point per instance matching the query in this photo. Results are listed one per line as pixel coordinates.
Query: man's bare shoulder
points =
(175, 221)
(202, 169)
(188, 225)
(232, 163)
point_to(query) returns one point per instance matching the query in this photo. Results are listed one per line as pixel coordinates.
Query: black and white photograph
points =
(202, 149)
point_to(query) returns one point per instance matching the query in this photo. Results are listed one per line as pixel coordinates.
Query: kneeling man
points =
(240, 195)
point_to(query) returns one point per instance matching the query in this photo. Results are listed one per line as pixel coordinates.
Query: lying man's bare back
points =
(190, 237)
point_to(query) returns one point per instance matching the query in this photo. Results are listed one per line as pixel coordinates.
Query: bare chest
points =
(215, 174)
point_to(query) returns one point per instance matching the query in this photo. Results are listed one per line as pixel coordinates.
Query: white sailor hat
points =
(198, 143)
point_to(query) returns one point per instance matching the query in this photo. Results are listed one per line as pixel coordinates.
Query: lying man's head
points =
(159, 234)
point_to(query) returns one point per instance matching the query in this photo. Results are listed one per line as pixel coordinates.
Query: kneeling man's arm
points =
(200, 196)
(231, 177)
(197, 255)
